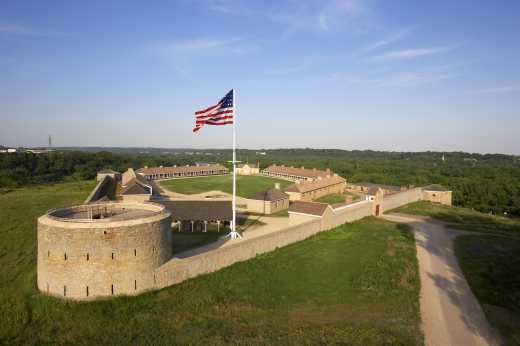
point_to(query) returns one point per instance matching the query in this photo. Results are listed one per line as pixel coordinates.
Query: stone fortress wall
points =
(83, 258)
(103, 250)
(401, 198)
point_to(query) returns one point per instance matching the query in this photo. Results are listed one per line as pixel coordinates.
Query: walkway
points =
(451, 315)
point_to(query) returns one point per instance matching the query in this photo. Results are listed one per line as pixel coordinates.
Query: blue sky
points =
(349, 74)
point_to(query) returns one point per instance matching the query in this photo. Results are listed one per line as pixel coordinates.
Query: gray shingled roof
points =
(312, 208)
(271, 194)
(199, 210)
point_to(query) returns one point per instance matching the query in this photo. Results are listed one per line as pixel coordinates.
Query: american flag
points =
(220, 114)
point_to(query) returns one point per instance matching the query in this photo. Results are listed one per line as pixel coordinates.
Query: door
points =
(377, 209)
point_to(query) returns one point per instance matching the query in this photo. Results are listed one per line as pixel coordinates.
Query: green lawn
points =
(246, 185)
(463, 218)
(492, 267)
(356, 284)
(183, 241)
(333, 198)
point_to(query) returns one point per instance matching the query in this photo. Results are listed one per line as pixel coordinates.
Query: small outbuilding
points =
(138, 189)
(248, 169)
(437, 194)
(268, 202)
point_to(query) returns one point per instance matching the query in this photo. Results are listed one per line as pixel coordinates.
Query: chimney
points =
(277, 186)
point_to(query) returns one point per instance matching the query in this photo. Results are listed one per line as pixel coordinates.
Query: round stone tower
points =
(102, 250)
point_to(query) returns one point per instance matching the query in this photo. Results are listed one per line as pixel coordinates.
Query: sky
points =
(348, 74)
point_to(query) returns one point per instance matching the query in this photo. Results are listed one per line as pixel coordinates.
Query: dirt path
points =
(451, 315)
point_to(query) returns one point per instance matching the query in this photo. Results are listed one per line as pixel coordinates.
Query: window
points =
(135, 252)
(88, 257)
(112, 289)
(65, 256)
(112, 255)
(87, 291)
(135, 284)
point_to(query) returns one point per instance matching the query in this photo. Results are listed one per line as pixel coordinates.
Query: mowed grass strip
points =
(332, 198)
(463, 218)
(356, 284)
(247, 185)
(491, 266)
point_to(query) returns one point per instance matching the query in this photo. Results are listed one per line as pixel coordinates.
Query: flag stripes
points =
(220, 114)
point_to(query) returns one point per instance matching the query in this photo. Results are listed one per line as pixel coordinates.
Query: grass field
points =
(492, 267)
(463, 218)
(357, 284)
(246, 185)
(332, 198)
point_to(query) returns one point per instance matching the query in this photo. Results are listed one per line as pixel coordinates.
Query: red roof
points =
(311, 208)
(300, 172)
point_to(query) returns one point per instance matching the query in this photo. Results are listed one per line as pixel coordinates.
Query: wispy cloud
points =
(181, 53)
(407, 54)
(387, 41)
(23, 30)
(230, 7)
(498, 90)
(332, 12)
(413, 78)
(319, 16)
(295, 68)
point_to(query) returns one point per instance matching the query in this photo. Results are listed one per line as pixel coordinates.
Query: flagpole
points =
(234, 234)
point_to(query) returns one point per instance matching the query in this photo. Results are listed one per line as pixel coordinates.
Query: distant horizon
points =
(254, 149)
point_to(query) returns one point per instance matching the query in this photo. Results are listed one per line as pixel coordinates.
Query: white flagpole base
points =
(234, 235)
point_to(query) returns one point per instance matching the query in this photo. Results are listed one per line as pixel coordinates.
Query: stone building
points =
(248, 169)
(269, 201)
(138, 189)
(437, 194)
(199, 216)
(376, 194)
(364, 187)
(128, 176)
(102, 250)
(108, 172)
(294, 173)
(153, 173)
(313, 189)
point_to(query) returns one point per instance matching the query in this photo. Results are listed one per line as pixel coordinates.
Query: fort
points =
(123, 244)
(101, 250)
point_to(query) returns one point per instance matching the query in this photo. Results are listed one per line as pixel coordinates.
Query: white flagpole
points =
(234, 234)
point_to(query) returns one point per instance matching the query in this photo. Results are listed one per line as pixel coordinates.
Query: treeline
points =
(488, 183)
